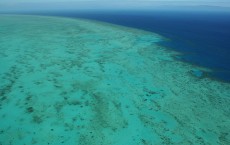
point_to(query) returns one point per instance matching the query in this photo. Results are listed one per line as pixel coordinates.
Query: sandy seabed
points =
(81, 82)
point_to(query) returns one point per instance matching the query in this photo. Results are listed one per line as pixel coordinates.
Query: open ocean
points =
(203, 37)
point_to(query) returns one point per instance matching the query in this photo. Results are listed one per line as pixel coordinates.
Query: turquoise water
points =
(81, 82)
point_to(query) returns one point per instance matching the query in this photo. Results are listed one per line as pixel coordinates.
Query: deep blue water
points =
(203, 37)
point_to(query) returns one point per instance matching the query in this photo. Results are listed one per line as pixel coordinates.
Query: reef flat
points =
(81, 82)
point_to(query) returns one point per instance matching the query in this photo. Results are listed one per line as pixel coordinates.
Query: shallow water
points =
(75, 81)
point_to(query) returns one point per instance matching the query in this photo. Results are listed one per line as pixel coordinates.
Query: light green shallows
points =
(79, 82)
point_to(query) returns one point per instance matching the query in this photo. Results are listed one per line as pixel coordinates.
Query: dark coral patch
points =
(37, 119)
(30, 109)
